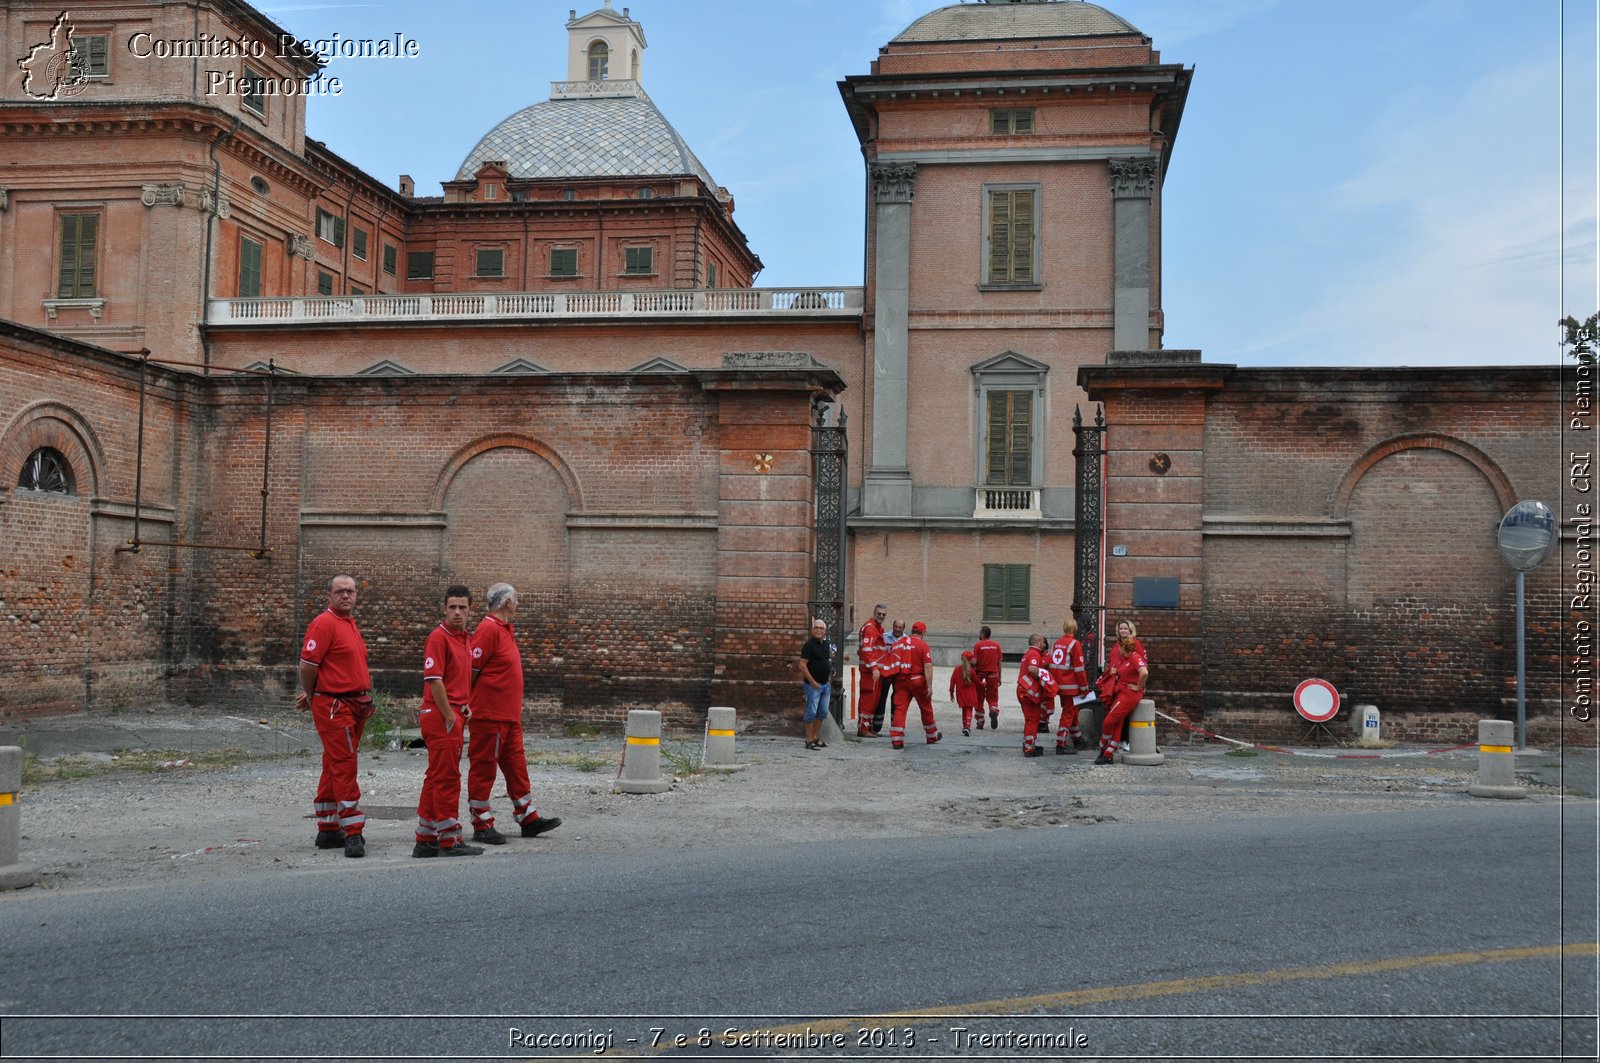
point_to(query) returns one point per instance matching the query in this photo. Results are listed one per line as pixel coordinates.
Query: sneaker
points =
(934, 737)
(460, 849)
(1104, 758)
(866, 732)
(899, 745)
(994, 720)
(423, 850)
(1123, 745)
(355, 845)
(535, 827)
(1065, 751)
(980, 721)
(330, 839)
(489, 836)
(1034, 752)
(966, 732)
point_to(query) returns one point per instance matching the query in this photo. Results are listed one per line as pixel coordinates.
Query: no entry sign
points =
(1316, 700)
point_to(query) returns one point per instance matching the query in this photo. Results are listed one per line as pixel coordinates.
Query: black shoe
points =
(1034, 752)
(1065, 751)
(821, 744)
(460, 849)
(994, 720)
(536, 827)
(811, 745)
(980, 721)
(1080, 743)
(330, 839)
(354, 845)
(489, 836)
(1105, 758)
(934, 737)
(424, 850)
(966, 732)
(899, 745)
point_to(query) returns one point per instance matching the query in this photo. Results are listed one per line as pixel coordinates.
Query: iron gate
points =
(830, 468)
(1089, 456)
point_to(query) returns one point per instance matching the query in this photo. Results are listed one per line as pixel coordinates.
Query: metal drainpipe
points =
(211, 228)
(349, 238)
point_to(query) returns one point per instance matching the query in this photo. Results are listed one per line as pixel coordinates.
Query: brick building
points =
(559, 373)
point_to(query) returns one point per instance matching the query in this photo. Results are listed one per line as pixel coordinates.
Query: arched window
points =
(47, 470)
(599, 56)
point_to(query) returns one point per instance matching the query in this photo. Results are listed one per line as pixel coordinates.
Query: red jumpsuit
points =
(1066, 665)
(964, 689)
(1125, 696)
(1035, 687)
(988, 653)
(340, 707)
(874, 687)
(447, 657)
(494, 741)
(909, 660)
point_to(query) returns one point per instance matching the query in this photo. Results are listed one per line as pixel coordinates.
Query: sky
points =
(1367, 182)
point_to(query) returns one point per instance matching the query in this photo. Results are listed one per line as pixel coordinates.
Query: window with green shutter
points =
(563, 262)
(91, 55)
(1011, 236)
(324, 283)
(491, 262)
(1013, 122)
(638, 260)
(1006, 593)
(80, 238)
(390, 258)
(419, 265)
(358, 243)
(1008, 443)
(250, 254)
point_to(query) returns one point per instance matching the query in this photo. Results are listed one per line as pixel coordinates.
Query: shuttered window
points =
(91, 55)
(1008, 444)
(80, 238)
(1011, 218)
(249, 268)
(1005, 593)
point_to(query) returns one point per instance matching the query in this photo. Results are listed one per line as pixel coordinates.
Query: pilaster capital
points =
(300, 245)
(168, 194)
(892, 181)
(1133, 178)
(5, 198)
(215, 203)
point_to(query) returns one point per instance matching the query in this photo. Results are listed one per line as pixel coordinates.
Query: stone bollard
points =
(1497, 763)
(1142, 737)
(641, 759)
(14, 874)
(718, 754)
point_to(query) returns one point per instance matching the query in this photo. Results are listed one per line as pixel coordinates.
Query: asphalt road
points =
(1427, 935)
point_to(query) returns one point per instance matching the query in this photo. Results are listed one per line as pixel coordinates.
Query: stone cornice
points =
(972, 156)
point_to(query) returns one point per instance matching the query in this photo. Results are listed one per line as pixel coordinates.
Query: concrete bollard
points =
(718, 753)
(641, 759)
(14, 874)
(1497, 763)
(1142, 737)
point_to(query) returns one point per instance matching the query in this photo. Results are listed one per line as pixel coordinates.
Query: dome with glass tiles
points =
(615, 136)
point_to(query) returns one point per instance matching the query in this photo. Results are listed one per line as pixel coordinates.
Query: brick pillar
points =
(1155, 406)
(764, 511)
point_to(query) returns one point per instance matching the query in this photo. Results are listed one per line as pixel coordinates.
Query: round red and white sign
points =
(1316, 700)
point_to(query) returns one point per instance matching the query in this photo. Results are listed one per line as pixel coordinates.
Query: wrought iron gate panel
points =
(830, 472)
(1089, 456)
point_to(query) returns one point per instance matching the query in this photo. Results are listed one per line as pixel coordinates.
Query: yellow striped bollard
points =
(641, 757)
(718, 753)
(1497, 762)
(1142, 737)
(14, 874)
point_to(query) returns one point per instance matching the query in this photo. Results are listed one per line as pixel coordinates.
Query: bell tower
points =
(604, 46)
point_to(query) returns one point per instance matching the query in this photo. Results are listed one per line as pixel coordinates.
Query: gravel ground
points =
(220, 795)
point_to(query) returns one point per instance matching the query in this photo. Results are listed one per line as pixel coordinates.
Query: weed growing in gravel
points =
(1241, 753)
(682, 757)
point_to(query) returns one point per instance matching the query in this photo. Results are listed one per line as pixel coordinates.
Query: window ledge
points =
(562, 277)
(1010, 287)
(96, 307)
(652, 273)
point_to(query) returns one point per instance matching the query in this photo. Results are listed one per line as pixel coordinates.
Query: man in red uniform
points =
(446, 688)
(1035, 687)
(987, 653)
(335, 687)
(495, 739)
(912, 666)
(874, 686)
(1066, 665)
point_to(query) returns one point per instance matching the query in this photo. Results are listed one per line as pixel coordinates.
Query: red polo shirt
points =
(448, 656)
(497, 695)
(988, 653)
(334, 645)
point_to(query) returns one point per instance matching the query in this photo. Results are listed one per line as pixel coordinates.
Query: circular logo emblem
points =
(428, 663)
(311, 644)
(477, 651)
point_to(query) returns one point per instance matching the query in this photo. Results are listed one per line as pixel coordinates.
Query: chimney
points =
(408, 187)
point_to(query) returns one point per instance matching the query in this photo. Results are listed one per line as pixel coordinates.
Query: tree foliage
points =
(1582, 336)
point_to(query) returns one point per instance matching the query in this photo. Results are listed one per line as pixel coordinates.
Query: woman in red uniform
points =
(965, 690)
(1128, 671)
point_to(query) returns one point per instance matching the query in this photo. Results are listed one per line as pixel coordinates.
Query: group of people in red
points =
(896, 669)
(900, 670)
(472, 682)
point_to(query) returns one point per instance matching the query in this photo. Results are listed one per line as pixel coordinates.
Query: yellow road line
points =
(1079, 998)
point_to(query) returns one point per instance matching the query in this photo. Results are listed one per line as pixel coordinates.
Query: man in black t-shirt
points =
(816, 663)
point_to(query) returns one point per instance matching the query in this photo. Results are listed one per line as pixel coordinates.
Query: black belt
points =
(348, 694)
